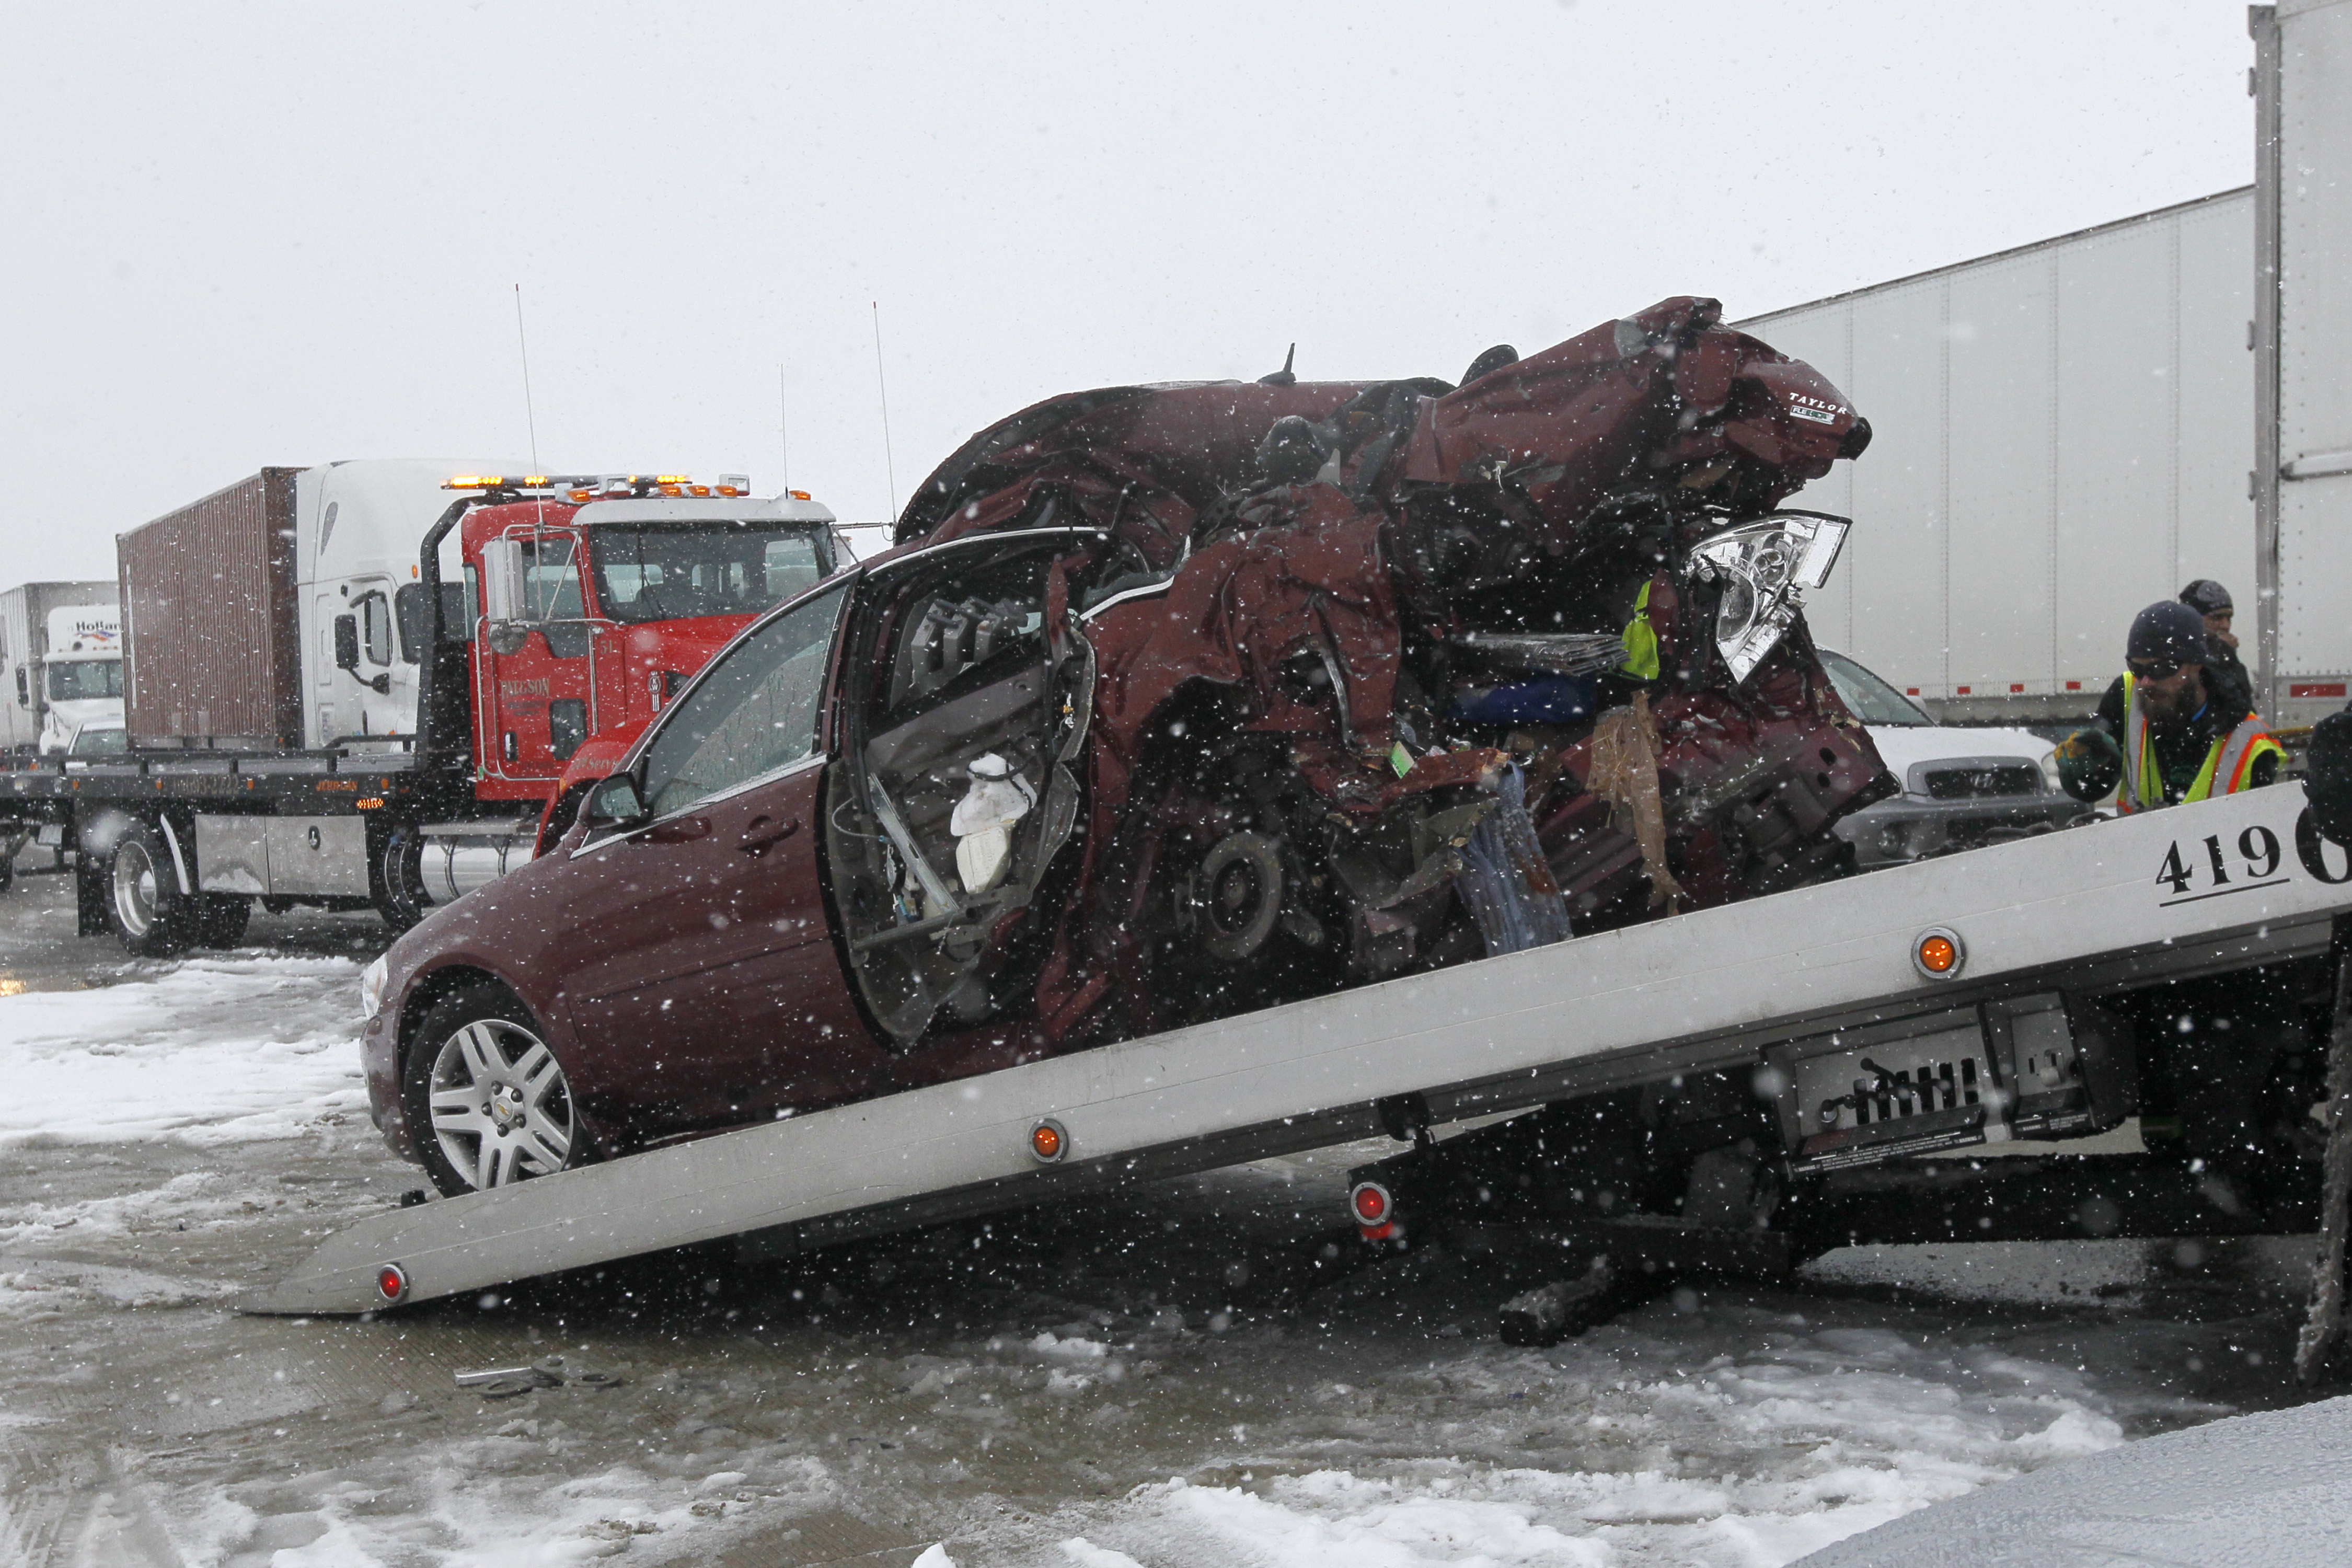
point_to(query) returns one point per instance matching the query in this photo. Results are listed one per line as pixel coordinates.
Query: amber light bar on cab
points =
(587, 488)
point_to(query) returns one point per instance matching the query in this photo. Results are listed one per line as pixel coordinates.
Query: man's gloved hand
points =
(2089, 765)
(2327, 782)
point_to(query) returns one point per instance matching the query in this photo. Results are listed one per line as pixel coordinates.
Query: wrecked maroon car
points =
(1176, 701)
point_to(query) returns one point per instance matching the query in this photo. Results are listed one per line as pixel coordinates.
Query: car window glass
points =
(1870, 698)
(757, 710)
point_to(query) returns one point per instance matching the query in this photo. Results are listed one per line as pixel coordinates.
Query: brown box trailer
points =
(209, 621)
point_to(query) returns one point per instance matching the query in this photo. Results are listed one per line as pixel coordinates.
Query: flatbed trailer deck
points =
(2223, 885)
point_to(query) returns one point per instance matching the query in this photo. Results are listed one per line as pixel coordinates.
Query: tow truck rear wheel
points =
(151, 916)
(487, 1103)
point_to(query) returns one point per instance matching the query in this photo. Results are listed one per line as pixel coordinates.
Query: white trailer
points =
(2061, 435)
(60, 662)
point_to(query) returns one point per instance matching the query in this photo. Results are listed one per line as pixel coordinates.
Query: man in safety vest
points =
(2170, 731)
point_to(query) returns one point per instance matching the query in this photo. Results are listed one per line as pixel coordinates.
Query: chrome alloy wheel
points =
(133, 887)
(501, 1107)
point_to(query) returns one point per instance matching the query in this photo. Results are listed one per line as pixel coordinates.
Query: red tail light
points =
(1373, 1209)
(392, 1282)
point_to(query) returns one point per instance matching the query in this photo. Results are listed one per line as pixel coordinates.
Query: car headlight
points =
(1764, 565)
(373, 981)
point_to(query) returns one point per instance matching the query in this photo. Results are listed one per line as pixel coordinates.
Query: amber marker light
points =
(1938, 953)
(392, 1282)
(1048, 1142)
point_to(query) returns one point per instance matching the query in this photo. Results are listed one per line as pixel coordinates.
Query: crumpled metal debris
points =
(548, 1372)
(1365, 697)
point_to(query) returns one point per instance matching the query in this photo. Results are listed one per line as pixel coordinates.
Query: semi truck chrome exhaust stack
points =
(455, 858)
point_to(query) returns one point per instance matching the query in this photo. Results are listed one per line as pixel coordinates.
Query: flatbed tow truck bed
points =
(2197, 890)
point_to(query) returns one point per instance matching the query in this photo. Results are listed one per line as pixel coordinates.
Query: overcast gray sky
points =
(247, 235)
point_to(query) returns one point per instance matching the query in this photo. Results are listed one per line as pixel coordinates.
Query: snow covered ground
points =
(214, 1051)
(1180, 1382)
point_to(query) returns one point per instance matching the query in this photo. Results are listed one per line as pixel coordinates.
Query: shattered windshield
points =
(682, 571)
(83, 680)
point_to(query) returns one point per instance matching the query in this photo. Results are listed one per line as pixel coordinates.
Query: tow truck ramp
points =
(2221, 885)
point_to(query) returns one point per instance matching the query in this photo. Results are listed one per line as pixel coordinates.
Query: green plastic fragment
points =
(1400, 758)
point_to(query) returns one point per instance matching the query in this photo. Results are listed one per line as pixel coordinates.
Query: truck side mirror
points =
(347, 643)
(504, 604)
(614, 804)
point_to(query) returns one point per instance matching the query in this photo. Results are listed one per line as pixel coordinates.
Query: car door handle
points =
(680, 830)
(765, 833)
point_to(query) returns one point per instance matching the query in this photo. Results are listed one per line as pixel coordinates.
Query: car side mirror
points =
(347, 643)
(614, 804)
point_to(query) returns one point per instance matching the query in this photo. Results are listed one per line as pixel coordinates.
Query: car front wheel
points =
(487, 1102)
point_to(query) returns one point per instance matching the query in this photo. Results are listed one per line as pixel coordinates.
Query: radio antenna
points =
(889, 465)
(531, 419)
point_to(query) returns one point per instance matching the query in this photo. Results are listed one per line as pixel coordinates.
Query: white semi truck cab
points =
(79, 678)
(60, 664)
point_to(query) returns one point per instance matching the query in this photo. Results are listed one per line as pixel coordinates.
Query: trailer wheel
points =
(151, 916)
(487, 1102)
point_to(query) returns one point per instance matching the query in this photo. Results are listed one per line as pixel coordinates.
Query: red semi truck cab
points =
(587, 605)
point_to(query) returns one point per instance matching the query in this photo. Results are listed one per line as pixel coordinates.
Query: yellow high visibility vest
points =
(2225, 771)
(1641, 640)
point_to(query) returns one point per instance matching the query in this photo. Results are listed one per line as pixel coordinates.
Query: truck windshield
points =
(1868, 697)
(81, 679)
(681, 572)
